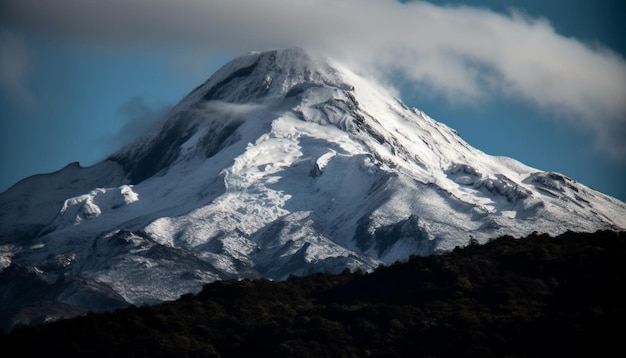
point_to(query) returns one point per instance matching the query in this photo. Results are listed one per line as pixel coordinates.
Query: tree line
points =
(538, 296)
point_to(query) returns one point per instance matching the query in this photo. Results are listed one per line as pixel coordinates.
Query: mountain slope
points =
(281, 163)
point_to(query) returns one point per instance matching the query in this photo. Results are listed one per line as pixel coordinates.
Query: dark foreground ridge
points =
(538, 296)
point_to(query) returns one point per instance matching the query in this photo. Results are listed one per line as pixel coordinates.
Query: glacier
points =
(281, 163)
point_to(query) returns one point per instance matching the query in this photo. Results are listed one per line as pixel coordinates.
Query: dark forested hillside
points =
(537, 296)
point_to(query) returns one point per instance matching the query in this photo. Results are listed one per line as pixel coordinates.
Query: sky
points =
(543, 82)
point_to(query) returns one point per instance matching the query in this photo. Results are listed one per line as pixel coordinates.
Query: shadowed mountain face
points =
(281, 163)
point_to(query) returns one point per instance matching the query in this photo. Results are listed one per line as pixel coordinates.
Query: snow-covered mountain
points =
(281, 163)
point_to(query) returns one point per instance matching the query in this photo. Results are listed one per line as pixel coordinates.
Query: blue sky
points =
(534, 80)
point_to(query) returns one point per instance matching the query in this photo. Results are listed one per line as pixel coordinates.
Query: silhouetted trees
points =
(538, 296)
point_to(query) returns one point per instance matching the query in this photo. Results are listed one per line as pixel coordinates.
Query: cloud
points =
(137, 117)
(14, 64)
(462, 53)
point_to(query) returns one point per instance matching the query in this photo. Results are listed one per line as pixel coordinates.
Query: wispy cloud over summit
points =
(463, 53)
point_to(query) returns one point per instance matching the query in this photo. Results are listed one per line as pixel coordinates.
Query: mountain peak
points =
(281, 163)
(260, 75)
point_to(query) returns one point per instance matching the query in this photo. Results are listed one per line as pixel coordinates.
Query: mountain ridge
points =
(281, 163)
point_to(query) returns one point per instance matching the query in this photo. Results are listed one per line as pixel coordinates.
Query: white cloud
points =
(14, 63)
(463, 53)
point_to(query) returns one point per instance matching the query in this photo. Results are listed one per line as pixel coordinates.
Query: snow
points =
(91, 205)
(294, 165)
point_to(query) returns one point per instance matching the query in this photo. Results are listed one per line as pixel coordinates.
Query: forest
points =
(538, 296)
